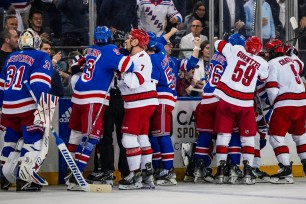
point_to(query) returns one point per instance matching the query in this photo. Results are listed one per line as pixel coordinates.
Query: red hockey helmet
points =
(141, 35)
(275, 46)
(253, 45)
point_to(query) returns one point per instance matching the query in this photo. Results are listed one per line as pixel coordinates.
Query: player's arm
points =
(41, 73)
(142, 70)
(175, 16)
(272, 86)
(223, 47)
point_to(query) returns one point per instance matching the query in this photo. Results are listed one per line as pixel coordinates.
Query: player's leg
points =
(233, 159)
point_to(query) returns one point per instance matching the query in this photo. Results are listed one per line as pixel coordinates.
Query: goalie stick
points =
(103, 188)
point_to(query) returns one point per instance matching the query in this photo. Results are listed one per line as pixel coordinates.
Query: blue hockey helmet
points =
(102, 35)
(152, 40)
(237, 39)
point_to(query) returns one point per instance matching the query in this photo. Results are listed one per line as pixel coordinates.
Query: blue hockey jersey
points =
(163, 76)
(93, 84)
(217, 67)
(32, 65)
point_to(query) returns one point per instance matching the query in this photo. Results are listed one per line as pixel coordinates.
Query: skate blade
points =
(188, 179)
(171, 182)
(263, 180)
(233, 180)
(130, 187)
(219, 180)
(282, 181)
(248, 181)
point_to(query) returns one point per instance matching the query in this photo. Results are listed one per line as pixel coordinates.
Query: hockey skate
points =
(219, 176)
(22, 185)
(5, 184)
(147, 177)
(72, 184)
(189, 174)
(283, 176)
(102, 178)
(166, 178)
(304, 165)
(261, 177)
(199, 172)
(131, 181)
(248, 176)
(235, 174)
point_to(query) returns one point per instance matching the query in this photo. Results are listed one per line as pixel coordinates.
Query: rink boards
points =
(54, 167)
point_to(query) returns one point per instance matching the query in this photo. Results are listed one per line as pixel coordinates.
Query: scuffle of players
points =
(249, 98)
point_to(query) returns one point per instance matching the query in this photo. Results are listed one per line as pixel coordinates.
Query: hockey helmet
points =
(253, 45)
(29, 39)
(152, 40)
(237, 39)
(102, 35)
(119, 37)
(141, 35)
(275, 46)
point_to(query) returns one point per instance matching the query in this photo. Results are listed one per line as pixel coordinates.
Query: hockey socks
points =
(83, 152)
(234, 149)
(156, 160)
(167, 152)
(204, 148)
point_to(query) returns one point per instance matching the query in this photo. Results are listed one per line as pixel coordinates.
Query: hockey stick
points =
(295, 28)
(105, 188)
(95, 120)
(262, 110)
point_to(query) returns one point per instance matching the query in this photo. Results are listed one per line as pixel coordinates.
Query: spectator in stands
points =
(56, 83)
(11, 21)
(233, 16)
(187, 40)
(21, 8)
(268, 27)
(302, 28)
(201, 71)
(152, 15)
(278, 13)
(118, 15)
(9, 44)
(186, 84)
(75, 22)
(198, 13)
(35, 22)
(51, 18)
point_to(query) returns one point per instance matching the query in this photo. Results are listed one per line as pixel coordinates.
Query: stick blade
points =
(293, 23)
(100, 188)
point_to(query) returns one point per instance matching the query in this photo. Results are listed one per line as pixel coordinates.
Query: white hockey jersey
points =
(284, 85)
(152, 15)
(137, 87)
(237, 84)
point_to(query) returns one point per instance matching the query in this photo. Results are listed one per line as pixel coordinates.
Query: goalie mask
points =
(29, 39)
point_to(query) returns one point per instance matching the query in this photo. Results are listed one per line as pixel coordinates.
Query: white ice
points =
(185, 193)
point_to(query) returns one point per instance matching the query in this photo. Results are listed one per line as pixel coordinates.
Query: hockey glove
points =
(289, 50)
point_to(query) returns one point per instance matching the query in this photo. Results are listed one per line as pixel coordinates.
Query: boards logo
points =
(66, 116)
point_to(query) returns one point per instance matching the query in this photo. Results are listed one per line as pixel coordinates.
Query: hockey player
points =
(205, 124)
(90, 97)
(286, 93)
(161, 121)
(113, 116)
(236, 93)
(18, 105)
(152, 15)
(140, 98)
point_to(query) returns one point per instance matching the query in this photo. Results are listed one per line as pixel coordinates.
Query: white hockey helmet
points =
(29, 39)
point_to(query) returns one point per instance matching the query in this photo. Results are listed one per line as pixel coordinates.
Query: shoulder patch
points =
(116, 50)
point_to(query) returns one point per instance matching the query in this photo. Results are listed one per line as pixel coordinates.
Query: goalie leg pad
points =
(11, 138)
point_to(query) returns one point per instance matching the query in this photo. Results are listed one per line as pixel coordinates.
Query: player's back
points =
(163, 76)
(217, 67)
(237, 84)
(31, 65)
(95, 80)
(285, 72)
